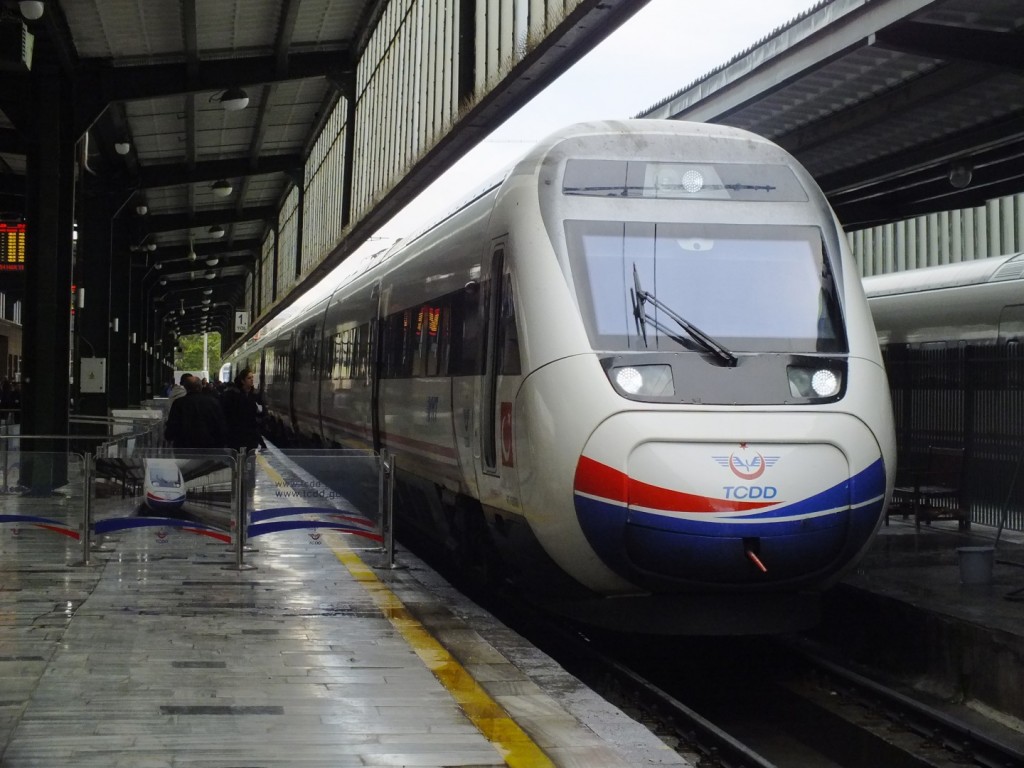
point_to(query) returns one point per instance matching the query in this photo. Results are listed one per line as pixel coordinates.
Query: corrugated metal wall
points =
(942, 238)
(407, 98)
(287, 242)
(409, 69)
(325, 184)
(266, 267)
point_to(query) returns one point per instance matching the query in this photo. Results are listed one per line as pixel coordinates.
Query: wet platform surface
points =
(907, 610)
(161, 654)
(156, 655)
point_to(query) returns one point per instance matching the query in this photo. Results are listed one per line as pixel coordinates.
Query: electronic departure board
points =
(12, 247)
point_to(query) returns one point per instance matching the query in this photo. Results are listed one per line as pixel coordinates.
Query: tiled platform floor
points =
(157, 656)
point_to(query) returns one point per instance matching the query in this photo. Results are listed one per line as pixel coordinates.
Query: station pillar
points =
(49, 241)
(93, 365)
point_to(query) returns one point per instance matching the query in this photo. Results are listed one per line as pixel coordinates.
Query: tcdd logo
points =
(746, 467)
(765, 492)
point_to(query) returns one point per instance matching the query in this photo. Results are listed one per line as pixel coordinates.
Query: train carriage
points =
(640, 370)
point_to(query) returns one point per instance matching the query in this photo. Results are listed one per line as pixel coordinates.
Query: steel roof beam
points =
(173, 174)
(171, 266)
(174, 221)
(938, 41)
(149, 81)
(183, 269)
(987, 138)
(207, 249)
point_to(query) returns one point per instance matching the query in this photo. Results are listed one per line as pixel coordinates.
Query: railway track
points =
(759, 702)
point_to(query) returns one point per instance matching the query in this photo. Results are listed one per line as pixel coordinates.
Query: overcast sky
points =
(663, 48)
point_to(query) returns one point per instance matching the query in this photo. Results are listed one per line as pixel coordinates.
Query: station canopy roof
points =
(152, 80)
(153, 85)
(896, 107)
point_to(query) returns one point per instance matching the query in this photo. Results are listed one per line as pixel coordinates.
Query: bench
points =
(934, 491)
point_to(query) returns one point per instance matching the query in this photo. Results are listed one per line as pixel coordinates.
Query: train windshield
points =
(164, 477)
(753, 288)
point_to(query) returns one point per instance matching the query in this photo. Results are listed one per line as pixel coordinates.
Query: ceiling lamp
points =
(158, 265)
(210, 275)
(150, 246)
(960, 173)
(163, 281)
(234, 99)
(31, 9)
(212, 262)
(142, 209)
(221, 188)
(122, 147)
(206, 301)
(192, 254)
(207, 291)
(216, 231)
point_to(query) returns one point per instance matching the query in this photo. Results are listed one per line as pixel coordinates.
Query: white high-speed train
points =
(639, 371)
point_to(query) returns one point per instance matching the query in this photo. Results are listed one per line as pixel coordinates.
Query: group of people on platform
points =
(205, 419)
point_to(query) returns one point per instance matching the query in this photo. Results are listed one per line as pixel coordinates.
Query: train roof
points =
(976, 301)
(965, 273)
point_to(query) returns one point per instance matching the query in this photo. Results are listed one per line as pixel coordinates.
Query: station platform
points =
(950, 632)
(162, 653)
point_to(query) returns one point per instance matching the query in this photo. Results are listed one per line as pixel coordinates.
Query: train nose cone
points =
(726, 513)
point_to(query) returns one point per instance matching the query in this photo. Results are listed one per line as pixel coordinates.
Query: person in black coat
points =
(242, 413)
(196, 421)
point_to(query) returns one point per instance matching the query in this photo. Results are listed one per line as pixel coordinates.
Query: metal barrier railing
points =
(214, 494)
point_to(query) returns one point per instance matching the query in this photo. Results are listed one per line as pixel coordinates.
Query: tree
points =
(189, 355)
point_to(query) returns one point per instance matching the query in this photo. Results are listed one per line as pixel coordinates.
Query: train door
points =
(376, 362)
(497, 479)
(293, 357)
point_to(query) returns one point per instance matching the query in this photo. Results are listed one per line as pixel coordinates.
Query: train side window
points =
(391, 338)
(345, 353)
(465, 358)
(341, 356)
(444, 342)
(400, 332)
(361, 353)
(269, 363)
(431, 340)
(307, 356)
(420, 341)
(508, 336)
(409, 343)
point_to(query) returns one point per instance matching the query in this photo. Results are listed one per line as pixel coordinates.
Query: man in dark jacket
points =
(196, 421)
(241, 412)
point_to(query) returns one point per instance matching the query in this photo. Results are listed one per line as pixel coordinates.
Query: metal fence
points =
(967, 397)
(128, 486)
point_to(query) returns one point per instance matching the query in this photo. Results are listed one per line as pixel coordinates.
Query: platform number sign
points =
(241, 322)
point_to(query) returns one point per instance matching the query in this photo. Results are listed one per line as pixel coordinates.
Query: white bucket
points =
(976, 564)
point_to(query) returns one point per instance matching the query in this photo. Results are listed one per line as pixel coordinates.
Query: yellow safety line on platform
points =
(489, 717)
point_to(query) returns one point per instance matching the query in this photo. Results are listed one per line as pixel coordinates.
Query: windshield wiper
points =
(640, 297)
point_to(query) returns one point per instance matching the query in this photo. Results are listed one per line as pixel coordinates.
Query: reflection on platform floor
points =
(161, 654)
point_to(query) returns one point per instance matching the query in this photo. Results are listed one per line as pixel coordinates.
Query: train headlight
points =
(693, 181)
(814, 382)
(644, 380)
